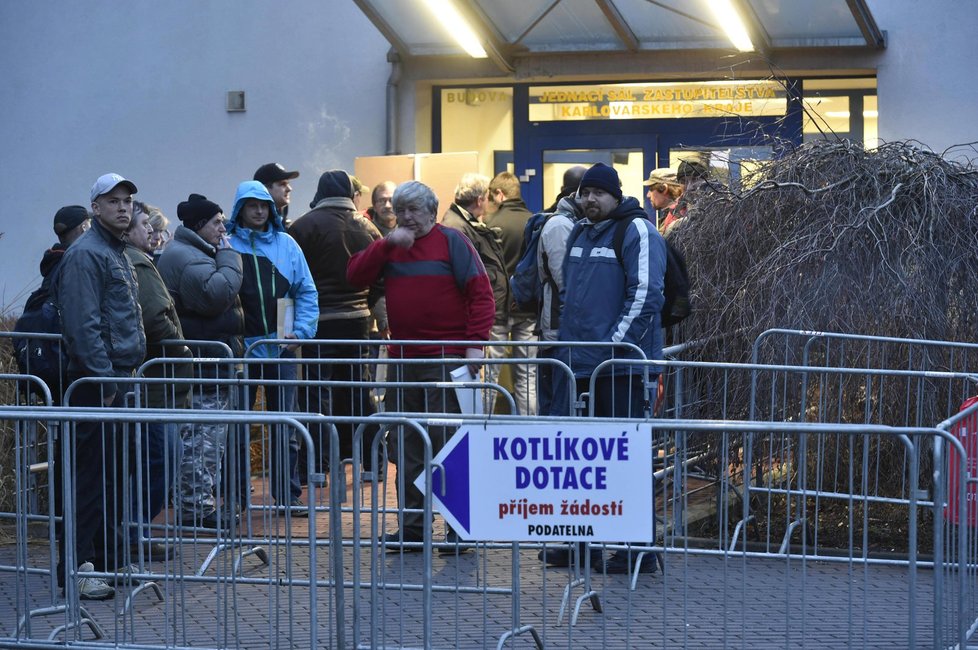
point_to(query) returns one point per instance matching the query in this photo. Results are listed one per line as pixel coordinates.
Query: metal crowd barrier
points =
(485, 593)
(876, 472)
(763, 567)
(173, 600)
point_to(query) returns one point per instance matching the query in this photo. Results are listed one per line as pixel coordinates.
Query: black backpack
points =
(676, 283)
(525, 282)
(45, 357)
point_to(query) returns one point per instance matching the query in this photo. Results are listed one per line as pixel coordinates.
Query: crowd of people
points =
(127, 292)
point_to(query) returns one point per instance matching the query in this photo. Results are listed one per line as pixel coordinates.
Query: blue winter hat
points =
(603, 178)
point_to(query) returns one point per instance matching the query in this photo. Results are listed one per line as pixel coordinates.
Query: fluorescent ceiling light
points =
(866, 113)
(456, 25)
(732, 24)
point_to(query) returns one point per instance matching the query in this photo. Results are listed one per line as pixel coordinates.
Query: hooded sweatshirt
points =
(274, 268)
(49, 264)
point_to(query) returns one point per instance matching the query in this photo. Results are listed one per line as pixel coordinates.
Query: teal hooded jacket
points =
(274, 267)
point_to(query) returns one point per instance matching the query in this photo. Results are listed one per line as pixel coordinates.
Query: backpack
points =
(487, 244)
(524, 284)
(675, 290)
(44, 357)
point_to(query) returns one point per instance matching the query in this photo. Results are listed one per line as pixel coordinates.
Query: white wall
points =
(139, 88)
(927, 90)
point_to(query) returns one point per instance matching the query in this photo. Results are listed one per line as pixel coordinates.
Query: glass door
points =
(631, 156)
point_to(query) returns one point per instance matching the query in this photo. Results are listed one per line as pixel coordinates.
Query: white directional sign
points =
(546, 482)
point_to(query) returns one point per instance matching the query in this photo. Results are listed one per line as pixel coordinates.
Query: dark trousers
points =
(405, 446)
(283, 449)
(97, 473)
(160, 461)
(553, 396)
(337, 401)
(621, 396)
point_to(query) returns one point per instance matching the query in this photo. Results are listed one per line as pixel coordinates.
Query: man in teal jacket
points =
(274, 268)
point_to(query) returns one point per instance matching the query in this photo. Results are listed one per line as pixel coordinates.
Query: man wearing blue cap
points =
(96, 293)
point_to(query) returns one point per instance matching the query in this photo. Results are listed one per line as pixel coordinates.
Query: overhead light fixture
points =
(732, 24)
(866, 113)
(457, 26)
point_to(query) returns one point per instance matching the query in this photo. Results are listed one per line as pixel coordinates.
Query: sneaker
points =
(619, 562)
(454, 545)
(152, 551)
(122, 577)
(211, 521)
(393, 542)
(297, 508)
(93, 588)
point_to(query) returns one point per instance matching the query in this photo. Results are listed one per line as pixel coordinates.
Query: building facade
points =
(152, 91)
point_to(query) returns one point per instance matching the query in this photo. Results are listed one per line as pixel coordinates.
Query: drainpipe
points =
(392, 85)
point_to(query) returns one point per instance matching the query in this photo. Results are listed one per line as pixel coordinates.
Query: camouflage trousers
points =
(203, 448)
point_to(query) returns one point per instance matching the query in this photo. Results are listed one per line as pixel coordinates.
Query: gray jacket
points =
(550, 264)
(97, 297)
(204, 283)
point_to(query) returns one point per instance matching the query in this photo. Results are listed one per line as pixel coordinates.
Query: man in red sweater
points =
(437, 290)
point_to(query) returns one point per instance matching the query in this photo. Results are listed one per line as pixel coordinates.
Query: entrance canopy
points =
(510, 31)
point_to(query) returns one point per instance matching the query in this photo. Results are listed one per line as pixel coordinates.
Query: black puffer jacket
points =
(204, 283)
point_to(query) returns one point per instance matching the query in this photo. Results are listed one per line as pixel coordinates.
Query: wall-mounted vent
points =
(236, 101)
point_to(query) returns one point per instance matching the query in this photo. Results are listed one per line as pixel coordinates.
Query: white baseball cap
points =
(107, 182)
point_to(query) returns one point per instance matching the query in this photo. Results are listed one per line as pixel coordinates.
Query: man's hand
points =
(108, 399)
(291, 348)
(401, 237)
(475, 354)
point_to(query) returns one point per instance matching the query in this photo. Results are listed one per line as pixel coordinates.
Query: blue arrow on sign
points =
(454, 499)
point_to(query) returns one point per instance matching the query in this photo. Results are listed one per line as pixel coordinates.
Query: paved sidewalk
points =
(701, 601)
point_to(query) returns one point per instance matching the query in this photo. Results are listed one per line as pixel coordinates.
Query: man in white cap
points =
(97, 296)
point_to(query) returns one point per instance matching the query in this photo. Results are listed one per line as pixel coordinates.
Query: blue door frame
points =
(654, 137)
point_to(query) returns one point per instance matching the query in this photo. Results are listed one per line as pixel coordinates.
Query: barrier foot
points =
(85, 619)
(135, 592)
(566, 597)
(595, 604)
(224, 546)
(523, 630)
(257, 551)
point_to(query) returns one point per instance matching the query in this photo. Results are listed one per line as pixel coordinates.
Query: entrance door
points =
(631, 156)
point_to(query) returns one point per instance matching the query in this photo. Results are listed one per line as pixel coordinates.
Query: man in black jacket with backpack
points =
(46, 357)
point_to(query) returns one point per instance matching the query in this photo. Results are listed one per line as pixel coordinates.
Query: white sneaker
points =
(93, 588)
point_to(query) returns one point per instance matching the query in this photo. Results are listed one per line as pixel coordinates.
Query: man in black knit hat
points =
(329, 235)
(203, 273)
